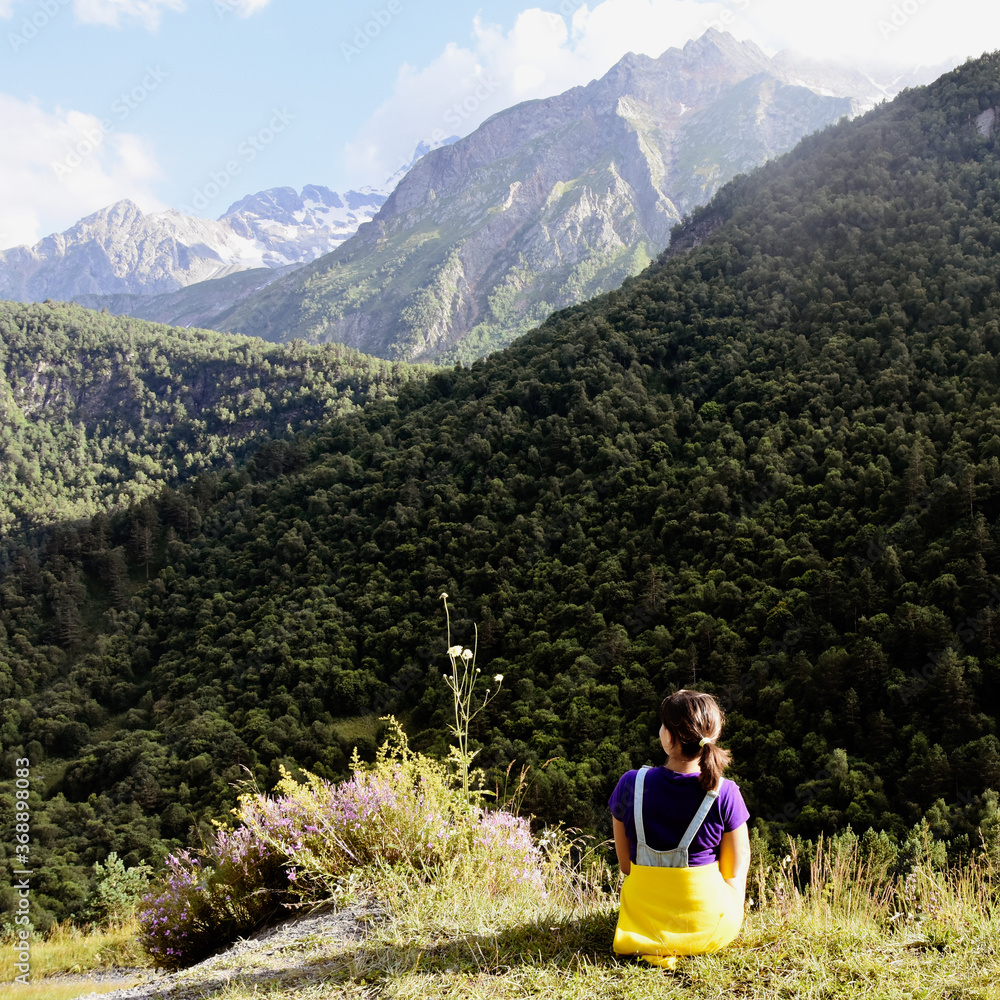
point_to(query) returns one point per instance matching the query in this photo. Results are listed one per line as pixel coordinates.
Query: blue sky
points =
(195, 103)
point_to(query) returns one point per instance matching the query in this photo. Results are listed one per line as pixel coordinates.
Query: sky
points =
(192, 104)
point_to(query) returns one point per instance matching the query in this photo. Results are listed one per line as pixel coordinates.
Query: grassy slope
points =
(442, 943)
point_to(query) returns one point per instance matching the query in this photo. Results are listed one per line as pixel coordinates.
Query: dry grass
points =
(68, 949)
(59, 989)
(853, 932)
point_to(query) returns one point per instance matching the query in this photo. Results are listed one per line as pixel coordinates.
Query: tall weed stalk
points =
(463, 680)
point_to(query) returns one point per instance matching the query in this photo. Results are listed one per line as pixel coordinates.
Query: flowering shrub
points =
(504, 855)
(204, 902)
(401, 812)
(404, 813)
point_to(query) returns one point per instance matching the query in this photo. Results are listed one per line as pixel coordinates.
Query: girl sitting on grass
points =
(681, 840)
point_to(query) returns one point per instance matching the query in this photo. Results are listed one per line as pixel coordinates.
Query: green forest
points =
(767, 467)
(99, 411)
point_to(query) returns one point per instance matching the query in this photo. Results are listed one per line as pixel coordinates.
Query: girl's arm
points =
(622, 847)
(734, 859)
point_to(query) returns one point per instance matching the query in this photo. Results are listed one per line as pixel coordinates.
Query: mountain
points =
(295, 227)
(550, 202)
(99, 411)
(191, 306)
(767, 467)
(122, 250)
(268, 217)
(422, 149)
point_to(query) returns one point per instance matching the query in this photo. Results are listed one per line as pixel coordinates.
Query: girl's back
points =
(671, 798)
(679, 902)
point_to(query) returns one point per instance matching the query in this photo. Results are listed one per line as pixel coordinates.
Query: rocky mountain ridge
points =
(550, 202)
(546, 204)
(121, 250)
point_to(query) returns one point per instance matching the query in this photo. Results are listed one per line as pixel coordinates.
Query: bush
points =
(402, 821)
(119, 890)
(503, 855)
(205, 903)
(404, 811)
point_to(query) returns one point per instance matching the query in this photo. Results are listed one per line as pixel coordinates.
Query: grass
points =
(69, 989)
(820, 942)
(840, 937)
(69, 951)
(357, 728)
(487, 918)
(439, 943)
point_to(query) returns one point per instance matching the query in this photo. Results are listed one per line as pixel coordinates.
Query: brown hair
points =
(689, 717)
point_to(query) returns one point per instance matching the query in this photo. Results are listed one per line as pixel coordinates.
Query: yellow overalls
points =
(668, 908)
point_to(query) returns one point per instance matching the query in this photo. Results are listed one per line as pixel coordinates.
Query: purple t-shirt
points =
(670, 800)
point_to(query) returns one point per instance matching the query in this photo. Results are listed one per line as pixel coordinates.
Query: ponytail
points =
(714, 760)
(695, 720)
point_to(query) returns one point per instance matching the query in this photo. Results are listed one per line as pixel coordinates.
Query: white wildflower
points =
(498, 678)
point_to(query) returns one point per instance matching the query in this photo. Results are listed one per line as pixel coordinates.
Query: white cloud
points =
(56, 167)
(115, 12)
(242, 8)
(147, 13)
(247, 8)
(900, 33)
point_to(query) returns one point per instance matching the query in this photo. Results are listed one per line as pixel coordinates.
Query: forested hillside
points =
(769, 466)
(97, 411)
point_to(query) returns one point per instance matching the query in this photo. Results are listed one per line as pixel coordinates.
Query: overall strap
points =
(699, 817)
(640, 832)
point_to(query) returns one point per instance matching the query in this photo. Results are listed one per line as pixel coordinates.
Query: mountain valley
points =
(767, 466)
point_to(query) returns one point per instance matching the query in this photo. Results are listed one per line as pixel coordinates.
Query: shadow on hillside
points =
(561, 944)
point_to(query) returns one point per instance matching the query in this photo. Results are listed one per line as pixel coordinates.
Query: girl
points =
(681, 840)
